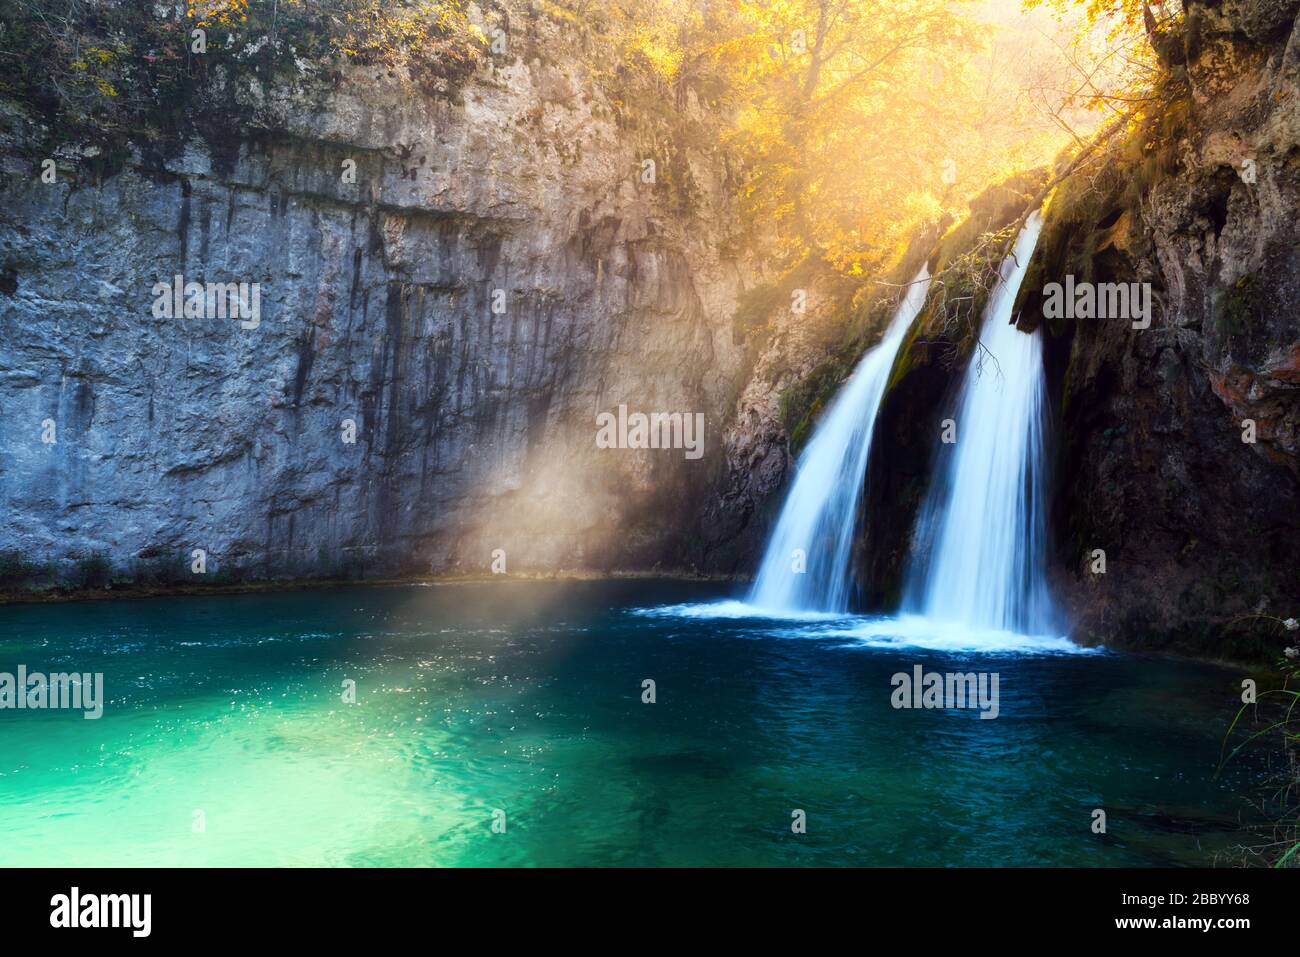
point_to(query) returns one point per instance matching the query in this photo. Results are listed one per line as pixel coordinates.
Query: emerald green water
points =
(526, 697)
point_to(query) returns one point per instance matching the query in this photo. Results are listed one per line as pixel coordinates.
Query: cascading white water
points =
(817, 520)
(980, 555)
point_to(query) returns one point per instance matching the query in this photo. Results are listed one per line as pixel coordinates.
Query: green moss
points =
(860, 320)
(803, 402)
(1236, 308)
(230, 573)
(91, 571)
(159, 570)
(18, 572)
(120, 73)
(906, 359)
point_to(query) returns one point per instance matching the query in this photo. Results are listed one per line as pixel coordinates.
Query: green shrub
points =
(92, 571)
(160, 569)
(115, 72)
(17, 572)
(1273, 724)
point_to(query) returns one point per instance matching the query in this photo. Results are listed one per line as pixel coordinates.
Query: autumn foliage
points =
(845, 123)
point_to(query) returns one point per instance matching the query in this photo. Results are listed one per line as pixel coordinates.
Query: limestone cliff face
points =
(498, 274)
(1198, 525)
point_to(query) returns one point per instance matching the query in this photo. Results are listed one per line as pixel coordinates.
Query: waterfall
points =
(980, 556)
(818, 518)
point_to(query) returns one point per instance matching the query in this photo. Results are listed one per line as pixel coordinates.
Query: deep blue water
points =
(525, 699)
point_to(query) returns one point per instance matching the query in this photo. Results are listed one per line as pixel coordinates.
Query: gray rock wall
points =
(474, 428)
(1201, 529)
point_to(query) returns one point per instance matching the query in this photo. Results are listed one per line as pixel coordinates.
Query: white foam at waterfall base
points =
(886, 632)
(915, 631)
(980, 547)
(818, 517)
(732, 609)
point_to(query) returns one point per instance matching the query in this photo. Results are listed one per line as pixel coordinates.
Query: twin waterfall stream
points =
(817, 521)
(979, 548)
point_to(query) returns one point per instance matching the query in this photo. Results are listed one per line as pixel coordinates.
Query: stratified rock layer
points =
(499, 272)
